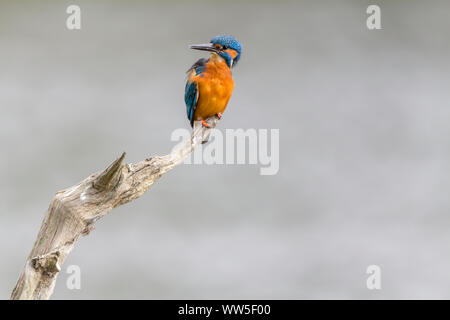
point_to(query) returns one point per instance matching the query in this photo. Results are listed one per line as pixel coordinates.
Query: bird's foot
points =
(205, 124)
(218, 115)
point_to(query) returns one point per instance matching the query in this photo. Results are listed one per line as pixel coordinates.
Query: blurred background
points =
(364, 153)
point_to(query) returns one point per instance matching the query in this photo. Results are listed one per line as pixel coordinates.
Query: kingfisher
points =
(209, 82)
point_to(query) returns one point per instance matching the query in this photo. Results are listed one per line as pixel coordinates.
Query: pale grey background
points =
(364, 153)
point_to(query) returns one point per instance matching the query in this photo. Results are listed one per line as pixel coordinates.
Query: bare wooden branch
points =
(74, 211)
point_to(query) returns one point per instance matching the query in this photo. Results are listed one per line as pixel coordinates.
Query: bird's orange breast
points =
(215, 87)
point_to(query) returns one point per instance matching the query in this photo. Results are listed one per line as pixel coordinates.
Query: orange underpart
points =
(214, 88)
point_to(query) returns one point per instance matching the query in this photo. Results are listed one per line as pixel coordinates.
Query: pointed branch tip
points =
(108, 178)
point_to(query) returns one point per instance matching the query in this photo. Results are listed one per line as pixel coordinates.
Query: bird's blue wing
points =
(191, 92)
(191, 98)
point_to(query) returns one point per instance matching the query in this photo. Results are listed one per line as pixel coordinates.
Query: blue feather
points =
(191, 90)
(191, 98)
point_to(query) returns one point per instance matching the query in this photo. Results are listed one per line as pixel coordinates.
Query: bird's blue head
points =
(225, 46)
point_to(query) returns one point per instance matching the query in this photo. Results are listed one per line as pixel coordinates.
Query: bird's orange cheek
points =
(232, 53)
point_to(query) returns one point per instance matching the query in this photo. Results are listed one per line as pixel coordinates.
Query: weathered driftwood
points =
(74, 211)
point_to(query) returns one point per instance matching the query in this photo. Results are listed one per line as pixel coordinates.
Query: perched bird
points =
(209, 82)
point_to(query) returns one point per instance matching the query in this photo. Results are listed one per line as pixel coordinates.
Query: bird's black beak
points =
(205, 47)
